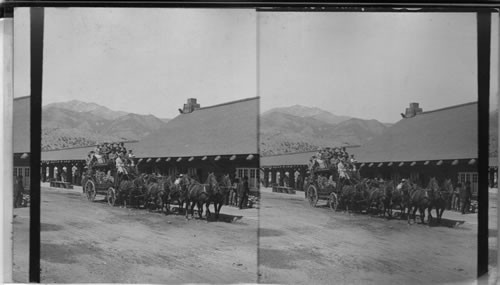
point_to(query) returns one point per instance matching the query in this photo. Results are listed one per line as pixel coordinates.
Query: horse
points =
(440, 197)
(198, 194)
(155, 192)
(220, 196)
(392, 196)
(178, 192)
(419, 199)
(360, 197)
(129, 189)
(377, 197)
(169, 187)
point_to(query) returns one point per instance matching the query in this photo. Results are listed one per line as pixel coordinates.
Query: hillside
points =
(76, 123)
(300, 128)
(309, 112)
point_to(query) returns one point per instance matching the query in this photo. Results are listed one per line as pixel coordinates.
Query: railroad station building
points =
(222, 139)
(439, 143)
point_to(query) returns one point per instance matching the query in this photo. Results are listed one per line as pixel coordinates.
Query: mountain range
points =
(300, 128)
(76, 123)
(282, 130)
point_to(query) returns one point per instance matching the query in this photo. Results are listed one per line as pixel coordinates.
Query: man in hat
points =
(178, 179)
(120, 166)
(400, 185)
(243, 191)
(18, 191)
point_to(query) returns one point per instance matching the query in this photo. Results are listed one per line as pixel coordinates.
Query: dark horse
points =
(221, 193)
(155, 192)
(129, 189)
(199, 194)
(377, 198)
(418, 199)
(440, 196)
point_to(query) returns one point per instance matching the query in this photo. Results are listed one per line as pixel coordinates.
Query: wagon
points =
(320, 187)
(101, 179)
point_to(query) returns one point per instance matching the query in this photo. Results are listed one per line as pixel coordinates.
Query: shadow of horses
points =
(448, 223)
(225, 218)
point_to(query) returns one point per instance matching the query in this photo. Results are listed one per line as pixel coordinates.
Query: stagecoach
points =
(101, 179)
(323, 184)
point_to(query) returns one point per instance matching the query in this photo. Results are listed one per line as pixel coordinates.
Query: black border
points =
(36, 37)
(483, 86)
(484, 10)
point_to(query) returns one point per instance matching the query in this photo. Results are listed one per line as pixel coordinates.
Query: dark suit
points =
(243, 194)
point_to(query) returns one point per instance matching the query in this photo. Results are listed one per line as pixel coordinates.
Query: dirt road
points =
(93, 242)
(300, 244)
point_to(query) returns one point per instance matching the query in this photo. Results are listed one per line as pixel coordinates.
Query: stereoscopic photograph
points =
(230, 146)
(149, 162)
(368, 141)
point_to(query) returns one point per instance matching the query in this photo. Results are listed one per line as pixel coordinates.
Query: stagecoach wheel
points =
(312, 195)
(333, 201)
(111, 196)
(90, 190)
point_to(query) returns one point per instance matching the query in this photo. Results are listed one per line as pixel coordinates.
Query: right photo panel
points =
(369, 147)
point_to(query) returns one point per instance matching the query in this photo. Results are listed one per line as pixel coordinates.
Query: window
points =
(15, 171)
(471, 177)
(27, 172)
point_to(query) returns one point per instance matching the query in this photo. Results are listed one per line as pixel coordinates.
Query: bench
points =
(61, 184)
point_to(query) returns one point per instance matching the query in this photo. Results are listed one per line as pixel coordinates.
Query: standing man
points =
(465, 195)
(243, 193)
(120, 166)
(343, 176)
(73, 174)
(18, 191)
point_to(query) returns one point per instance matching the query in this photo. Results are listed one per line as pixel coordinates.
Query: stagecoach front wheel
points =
(312, 195)
(111, 196)
(333, 201)
(90, 190)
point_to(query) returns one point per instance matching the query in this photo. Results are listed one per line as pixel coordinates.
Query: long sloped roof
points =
(22, 124)
(444, 134)
(225, 129)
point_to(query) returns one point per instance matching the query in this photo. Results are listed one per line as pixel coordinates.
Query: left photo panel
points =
(150, 162)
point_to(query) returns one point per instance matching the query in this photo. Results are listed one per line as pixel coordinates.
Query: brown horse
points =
(130, 189)
(440, 197)
(377, 197)
(198, 194)
(155, 192)
(221, 193)
(419, 199)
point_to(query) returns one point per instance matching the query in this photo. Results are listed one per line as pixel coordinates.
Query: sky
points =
(146, 61)
(369, 65)
(149, 61)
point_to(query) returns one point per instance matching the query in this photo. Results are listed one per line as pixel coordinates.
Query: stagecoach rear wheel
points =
(90, 190)
(333, 201)
(111, 196)
(312, 195)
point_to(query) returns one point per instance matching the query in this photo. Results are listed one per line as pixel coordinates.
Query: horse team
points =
(383, 197)
(158, 193)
